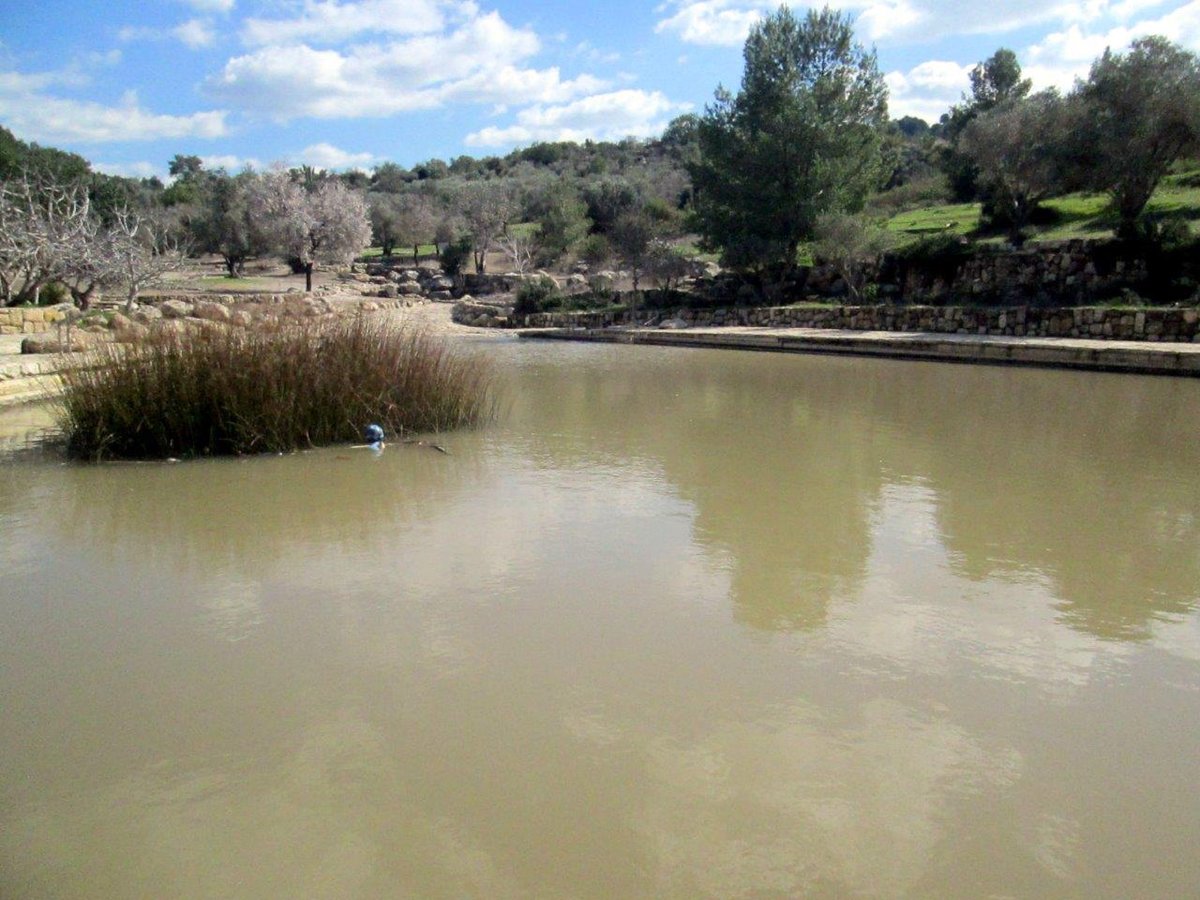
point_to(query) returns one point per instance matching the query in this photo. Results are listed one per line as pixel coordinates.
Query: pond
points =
(682, 623)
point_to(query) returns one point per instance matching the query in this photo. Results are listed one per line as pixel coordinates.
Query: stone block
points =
(211, 312)
(175, 309)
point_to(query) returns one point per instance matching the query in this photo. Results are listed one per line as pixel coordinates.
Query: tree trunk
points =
(82, 298)
(308, 270)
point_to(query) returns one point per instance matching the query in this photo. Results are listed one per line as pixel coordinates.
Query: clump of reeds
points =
(220, 391)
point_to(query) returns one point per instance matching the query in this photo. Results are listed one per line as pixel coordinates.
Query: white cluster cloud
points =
(1062, 56)
(212, 6)
(480, 61)
(230, 162)
(39, 116)
(332, 22)
(327, 156)
(712, 22)
(195, 33)
(726, 22)
(608, 116)
(1057, 60)
(927, 90)
(140, 169)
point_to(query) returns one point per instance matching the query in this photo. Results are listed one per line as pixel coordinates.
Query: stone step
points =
(14, 391)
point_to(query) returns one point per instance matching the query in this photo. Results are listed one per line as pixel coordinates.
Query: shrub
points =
(946, 250)
(537, 295)
(220, 391)
(456, 255)
(852, 245)
(54, 293)
(595, 250)
(928, 191)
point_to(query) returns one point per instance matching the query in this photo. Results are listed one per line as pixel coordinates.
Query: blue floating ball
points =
(374, 434)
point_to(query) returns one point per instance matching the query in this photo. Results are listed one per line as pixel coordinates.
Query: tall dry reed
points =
(221, 391)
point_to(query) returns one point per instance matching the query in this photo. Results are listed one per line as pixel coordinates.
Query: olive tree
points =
(225, 223)
(851, 244)
(996, 81)
(384, 212)
(1021, 152)
(406, 218)
(485, 208)
(801, 138)
(1138, 113)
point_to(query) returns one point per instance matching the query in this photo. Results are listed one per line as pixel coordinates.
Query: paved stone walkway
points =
(1145, 357)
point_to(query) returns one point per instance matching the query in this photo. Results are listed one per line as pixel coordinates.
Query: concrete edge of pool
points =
(1139, 357)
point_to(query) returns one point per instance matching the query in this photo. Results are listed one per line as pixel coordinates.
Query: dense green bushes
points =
(224, 391)
(537, 295)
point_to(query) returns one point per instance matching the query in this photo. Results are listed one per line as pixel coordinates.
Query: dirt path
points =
(435, 318)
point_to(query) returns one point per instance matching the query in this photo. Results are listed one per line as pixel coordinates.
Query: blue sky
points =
(351, 83)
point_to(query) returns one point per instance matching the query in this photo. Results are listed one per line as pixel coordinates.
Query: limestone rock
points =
(211, 312)
(49, 342)
(127, 331)
(176, 309)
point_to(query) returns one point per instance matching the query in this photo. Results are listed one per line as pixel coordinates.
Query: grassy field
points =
(222, 284)
(1074, 215)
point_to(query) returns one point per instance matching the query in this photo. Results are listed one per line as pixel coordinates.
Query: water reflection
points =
(785, 459)
(792, 806)
(1084, 480)
(772, 460)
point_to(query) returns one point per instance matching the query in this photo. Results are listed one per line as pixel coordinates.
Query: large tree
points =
(327, 225)
(406, 218)
(800, 139)
(47, 234)
(1139, 112)
(995, 82)
(224, 222)
(1020, 150)
(139, 251)
(486, 208)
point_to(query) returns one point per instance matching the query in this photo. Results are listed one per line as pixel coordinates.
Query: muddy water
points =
(682, 624)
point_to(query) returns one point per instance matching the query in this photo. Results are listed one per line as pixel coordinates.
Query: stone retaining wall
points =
(1101, 323)
(227, 299)
(1064, 273)
(29, 319)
